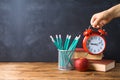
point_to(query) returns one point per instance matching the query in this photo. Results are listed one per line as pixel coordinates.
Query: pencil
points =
(60, 42)
(65, 42)
(54, 41)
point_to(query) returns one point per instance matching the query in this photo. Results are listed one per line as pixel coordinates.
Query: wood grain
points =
(49, 71)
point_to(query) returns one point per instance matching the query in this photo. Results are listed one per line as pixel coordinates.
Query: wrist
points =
(114, 11)
(111, 13)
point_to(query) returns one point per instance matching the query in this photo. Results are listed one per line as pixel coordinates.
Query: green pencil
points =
(71, 46)
(54, 42)
(57, 41)
(60, 42)
(65, 42)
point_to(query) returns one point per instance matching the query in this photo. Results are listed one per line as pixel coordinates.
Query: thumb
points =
(92, 20)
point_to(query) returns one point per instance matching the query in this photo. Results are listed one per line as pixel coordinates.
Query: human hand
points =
(100, 19)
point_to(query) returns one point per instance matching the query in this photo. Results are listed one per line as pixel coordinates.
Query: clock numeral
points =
(102, 44)
(91, 49)
(91, 38)
(88, 41)
(98, 50)
(94, 50)
(100, 47)
(95, 37)
(99, 38)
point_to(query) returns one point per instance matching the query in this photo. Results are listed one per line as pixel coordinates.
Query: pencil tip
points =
(50, 36)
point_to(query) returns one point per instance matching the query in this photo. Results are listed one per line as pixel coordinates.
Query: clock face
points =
(95, 44)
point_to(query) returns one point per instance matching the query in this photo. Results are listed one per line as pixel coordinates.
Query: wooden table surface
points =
(49, 71)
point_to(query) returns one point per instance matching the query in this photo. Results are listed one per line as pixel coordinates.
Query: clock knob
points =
(87, 32)
(102, 32)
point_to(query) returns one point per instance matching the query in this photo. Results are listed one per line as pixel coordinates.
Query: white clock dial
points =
(95, 44)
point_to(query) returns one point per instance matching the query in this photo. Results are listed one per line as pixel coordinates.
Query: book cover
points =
(80, 53)
(101, 65)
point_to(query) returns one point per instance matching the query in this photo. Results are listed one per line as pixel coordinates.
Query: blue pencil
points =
(60, 42)
(65, 42)
(75, 43)
(54, 41)
(70, 48)
(57, 41)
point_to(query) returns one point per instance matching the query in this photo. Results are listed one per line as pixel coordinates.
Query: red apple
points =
(81, 64)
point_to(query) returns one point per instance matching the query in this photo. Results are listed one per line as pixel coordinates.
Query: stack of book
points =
(101, 65)
(95, 61)
(80, 53)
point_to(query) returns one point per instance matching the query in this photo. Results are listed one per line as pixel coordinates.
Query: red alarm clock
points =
(94, 41)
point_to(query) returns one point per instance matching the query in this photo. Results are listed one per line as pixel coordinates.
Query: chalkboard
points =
(25, 27)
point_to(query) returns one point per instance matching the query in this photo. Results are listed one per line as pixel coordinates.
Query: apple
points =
(81, 64)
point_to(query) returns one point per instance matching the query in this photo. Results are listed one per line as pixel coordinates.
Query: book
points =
(80, 53)
(101, 65)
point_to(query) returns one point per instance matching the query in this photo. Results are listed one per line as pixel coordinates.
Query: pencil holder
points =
(65, 60)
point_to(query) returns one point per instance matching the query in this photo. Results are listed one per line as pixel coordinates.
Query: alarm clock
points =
(94, 41)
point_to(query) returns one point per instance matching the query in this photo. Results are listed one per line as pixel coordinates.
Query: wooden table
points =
(49, 71)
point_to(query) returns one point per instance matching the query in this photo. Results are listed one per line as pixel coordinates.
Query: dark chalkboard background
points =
(25, 27)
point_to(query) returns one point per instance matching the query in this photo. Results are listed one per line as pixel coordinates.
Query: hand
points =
(98, 20)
